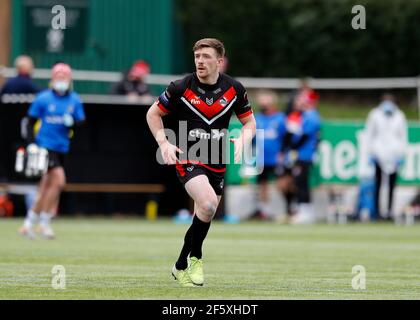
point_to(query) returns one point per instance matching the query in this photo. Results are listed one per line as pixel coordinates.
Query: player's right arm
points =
(154, 120)
(35, 112)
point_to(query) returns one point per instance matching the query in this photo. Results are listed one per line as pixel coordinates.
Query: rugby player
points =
(204, 102)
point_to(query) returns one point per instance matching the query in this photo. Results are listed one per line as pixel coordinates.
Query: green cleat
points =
(182, 277)
(195, 271)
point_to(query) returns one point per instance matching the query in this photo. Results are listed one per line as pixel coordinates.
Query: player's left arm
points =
(79, 116)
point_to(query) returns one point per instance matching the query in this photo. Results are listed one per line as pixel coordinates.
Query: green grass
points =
(131, 259)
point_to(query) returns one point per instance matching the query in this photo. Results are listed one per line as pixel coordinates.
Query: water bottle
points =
(20, 160)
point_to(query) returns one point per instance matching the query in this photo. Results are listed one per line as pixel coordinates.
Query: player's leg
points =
(305, 212)
(285, 185)
(205, 202)
(52, 197)
(378, 182)
(33, 214)
(392, 182)
(263, 194)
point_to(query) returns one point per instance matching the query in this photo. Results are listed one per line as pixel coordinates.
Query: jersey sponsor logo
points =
(198, 133)
(201, 134)
(54, 119)
(217, 134)
(51, 107)
(218, 107)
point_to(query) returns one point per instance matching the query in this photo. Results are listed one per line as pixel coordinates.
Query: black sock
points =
(182, 262)
(199, 233)
(289, 199)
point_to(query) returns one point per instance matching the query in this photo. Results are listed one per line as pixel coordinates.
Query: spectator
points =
(133, 82)
(386, 134)
(297, 155)
(22, 83)
(272, 122)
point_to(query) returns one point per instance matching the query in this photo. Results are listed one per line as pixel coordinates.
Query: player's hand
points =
(68, 120)
(168, 152)
(238, 145)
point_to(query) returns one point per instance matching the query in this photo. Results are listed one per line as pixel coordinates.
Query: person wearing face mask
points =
(58, 109)
(272, 122)
(134, 83)
(386, 136)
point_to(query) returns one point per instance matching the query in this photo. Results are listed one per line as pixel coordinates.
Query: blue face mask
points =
(61, 86)
(388, 107)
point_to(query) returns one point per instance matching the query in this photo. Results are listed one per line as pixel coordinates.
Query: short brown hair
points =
(210, 43)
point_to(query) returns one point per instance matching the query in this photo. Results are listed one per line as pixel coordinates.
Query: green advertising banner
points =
(342, 157)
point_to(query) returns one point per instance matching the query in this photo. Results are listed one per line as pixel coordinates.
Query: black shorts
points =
(55, 159)
(268, 173)
(282, 171)
(185, 172)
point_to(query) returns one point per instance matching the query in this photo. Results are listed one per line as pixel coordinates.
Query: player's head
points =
(139, 71)
(266, 100)
(24, 65)
(208, 57)
(61, 76)
(306, 100)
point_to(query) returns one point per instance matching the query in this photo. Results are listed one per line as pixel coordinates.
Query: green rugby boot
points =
(195, 271)
(182, 277)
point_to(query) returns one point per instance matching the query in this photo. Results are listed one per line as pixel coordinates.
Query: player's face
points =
(207, 62)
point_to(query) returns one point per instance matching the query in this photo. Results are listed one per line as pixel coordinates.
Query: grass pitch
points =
(132, 259)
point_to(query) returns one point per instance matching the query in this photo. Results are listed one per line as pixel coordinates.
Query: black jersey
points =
(203, 112)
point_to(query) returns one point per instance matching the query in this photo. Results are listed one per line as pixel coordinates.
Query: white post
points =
(418, 94)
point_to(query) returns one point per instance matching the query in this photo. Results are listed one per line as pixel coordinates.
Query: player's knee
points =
(208, 207)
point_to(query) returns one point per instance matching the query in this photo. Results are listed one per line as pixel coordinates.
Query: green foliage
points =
(295, 38)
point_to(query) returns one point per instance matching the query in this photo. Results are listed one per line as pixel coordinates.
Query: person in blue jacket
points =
(22, 83)
(305, 143)
(271, 121)
(58, 109)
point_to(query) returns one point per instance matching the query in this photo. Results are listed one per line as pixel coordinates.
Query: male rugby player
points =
(203, 103)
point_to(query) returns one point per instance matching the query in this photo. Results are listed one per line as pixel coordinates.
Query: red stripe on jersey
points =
(245, 114)
(213, 109)
(203, 165)
(161, 107)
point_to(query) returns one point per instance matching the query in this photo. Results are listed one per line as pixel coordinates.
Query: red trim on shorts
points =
(202, 164)
(161, 107)
(245, 114)
(180, 169)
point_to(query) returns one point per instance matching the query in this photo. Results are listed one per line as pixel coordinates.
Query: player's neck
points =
(211, 79)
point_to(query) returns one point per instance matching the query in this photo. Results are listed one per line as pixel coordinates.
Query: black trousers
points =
(392, 179)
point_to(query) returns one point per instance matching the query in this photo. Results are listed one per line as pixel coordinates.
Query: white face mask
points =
(61, 86)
